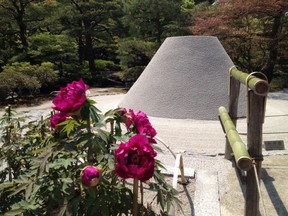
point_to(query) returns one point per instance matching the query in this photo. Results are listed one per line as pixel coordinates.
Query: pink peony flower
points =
(58, 118)
(90, 176)
(71, 98)
(142, 124)
(135, 159)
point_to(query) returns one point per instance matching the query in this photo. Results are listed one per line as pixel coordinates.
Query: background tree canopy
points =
(254, 33)
(98, 39)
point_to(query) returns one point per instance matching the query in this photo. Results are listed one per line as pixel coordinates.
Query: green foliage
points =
(187, 5)
(279, 82)
(4, 93)
(134, 55)
(154, 20)
(149, 23)
(46, 74)
(42, 167)
(26, 79)
(106, 65)
(91, 24)
(18, 84)
(52, 48)
(78, 36)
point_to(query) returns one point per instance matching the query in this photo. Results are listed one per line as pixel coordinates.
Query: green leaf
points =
(67, 180)
(108, 119)
(36, 187)
(103, 134)
(44, 150)
(68, 162)
(61, 162)
(5, 185)
(122, 138)
(91, 193)
(37, 151)
(84, 138)
(111, 162)
(91, 102)
(64, 188)
(28, 191)
(73, 204)
(118, 129)
(160, 199)
(159, 165)
(14, 212)
(114, 147)
(157, 148)
(109, 113)
(69, 125)
(18, 189)
(94, 114)
(100, 124)
(99, 157)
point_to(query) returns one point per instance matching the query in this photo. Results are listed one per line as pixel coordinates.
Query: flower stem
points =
(89, 125)
(142, 196)
(135, 197)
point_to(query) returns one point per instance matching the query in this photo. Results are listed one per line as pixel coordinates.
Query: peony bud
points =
(90, 176)
(123, 111)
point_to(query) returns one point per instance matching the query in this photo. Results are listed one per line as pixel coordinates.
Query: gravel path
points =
(202, 144)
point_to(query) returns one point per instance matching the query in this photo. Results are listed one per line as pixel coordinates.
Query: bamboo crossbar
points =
(259, 86)
(241, 155)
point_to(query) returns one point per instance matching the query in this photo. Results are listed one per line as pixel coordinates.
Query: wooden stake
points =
(256, 111)
(234, 88)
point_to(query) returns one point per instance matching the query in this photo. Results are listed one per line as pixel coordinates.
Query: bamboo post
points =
(242, 158)
(257, 85)
(256, 112)
(234, 89)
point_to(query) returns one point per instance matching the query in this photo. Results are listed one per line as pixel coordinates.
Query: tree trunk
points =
(158, 25)
(80, 46)
(89, 53)
(268, 69)
(23, 38)
(18, 13)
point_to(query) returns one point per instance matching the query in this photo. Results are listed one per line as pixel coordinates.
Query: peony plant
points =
(79, 161)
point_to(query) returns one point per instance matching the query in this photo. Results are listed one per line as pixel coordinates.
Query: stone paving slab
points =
(206, 194)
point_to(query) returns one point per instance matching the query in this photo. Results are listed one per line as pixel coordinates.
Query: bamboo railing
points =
(257, 85)
(241, 155)
(256, 92)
